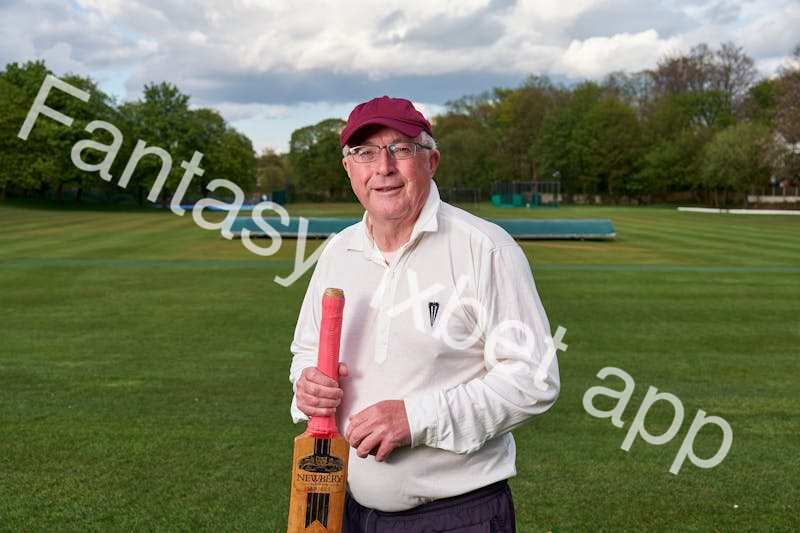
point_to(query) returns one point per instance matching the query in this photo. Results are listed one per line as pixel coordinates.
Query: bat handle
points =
(330, 333)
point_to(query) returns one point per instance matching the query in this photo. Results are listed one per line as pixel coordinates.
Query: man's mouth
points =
(388, 188)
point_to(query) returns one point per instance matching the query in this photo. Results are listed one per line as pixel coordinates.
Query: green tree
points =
(611, 130)
(565, 144)
(671, 164)
(271, 171)
(788, 96)
(205, 131)
(99, 107)
(518, 118)
(469, 151)
(161, 118)
(709, 109)
(735, 160)
(761, 103)
(673, 136)
(43, 162)
(452, 121)
(232, 157)
(787, 117)
(25, 165)
(316, 160)
(466, 159)
(14, 158)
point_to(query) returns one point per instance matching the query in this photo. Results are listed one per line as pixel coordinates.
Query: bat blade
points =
(319, 463)
(319, 481)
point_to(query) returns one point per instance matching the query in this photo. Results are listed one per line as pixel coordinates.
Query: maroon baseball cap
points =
(396, 113)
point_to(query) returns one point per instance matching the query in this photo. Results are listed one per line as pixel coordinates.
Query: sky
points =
(271, 67)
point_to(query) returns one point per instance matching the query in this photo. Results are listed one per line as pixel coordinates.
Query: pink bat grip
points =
(330, 333)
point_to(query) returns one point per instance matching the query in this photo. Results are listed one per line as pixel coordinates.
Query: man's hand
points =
(379, 429)
(317, 394)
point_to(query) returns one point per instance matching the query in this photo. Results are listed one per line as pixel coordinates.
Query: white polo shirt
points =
(456, 329)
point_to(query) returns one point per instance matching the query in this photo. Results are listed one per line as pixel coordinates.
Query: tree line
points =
(701, 124)
(41, 166)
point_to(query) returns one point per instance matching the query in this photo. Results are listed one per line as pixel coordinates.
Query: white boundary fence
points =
(741, 211)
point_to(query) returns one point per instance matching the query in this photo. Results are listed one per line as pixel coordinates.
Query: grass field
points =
(144, 373)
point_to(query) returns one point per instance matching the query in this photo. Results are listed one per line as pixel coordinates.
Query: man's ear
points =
(345, 162)
(433, 161)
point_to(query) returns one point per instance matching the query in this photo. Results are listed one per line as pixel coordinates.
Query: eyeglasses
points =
(369, 152)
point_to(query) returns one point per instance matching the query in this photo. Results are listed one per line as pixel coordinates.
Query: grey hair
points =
(424, 138)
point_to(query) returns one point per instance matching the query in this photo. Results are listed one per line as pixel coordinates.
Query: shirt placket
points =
(390, 281)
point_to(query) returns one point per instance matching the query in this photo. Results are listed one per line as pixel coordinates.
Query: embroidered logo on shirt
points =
(433, 310)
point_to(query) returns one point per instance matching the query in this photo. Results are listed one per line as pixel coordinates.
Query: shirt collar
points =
(427, 221)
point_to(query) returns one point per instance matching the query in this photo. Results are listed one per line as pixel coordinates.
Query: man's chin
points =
(388, 213)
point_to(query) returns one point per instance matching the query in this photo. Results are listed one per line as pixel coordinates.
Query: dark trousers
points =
(486, 510)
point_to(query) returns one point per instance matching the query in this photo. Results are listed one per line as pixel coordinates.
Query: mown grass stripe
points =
(706, 246)
(738, 235)
(64, 262)
(269, 264)
(787, 269)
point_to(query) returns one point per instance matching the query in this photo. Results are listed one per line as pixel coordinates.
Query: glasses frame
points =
(389, 148)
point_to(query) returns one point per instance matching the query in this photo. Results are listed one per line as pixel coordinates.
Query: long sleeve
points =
(306, 338)
(522, 377)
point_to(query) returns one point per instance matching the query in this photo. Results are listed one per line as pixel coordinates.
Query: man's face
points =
(392, 190)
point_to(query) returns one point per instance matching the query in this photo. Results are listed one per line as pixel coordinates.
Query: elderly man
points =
(444, 341)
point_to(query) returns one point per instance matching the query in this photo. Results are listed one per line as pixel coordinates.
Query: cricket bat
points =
(319, 463)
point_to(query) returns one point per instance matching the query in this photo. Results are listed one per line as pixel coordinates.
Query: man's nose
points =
(386, 162)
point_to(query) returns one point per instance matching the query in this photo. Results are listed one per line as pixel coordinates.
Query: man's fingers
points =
(354, 422)
(320, 391)
(370, 442)
(315, 375)
(317, 394)
(315, 411)
(314, 406)
(386, 447)
(359, 417)
(356, 433)
(343, 370)
(318, 401)
(377, 430)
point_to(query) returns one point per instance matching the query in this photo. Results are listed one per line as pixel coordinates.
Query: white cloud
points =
(59, 58)
(771, 66)
(555, 12)
(254, 59)
(107, 8)
(771, 32)
(597, 56)
(218, 45)
(429, 110)
(68, 37)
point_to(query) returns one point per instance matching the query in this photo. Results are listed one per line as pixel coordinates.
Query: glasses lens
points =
(403, 150)
(365, 154)
(368, 153)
